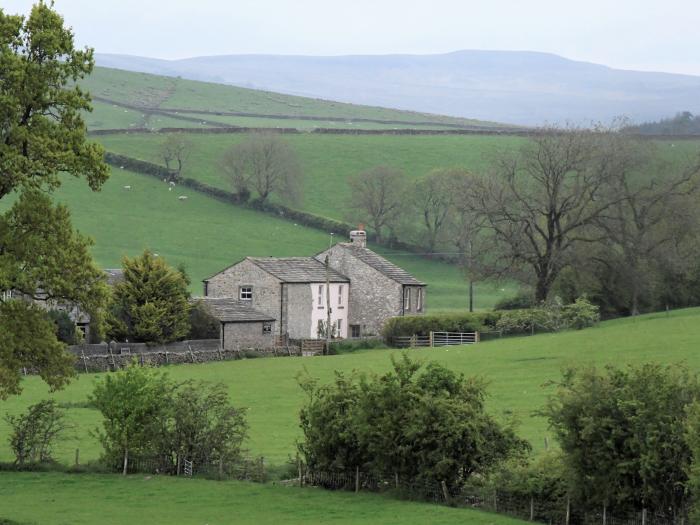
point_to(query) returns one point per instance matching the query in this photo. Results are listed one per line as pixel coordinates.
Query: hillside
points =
(517, 370)
(518, 87)
(125, 99)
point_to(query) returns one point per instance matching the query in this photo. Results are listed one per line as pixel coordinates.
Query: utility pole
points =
(328, 305)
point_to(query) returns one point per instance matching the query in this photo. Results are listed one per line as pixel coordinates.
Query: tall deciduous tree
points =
(379, 196)
(42, 134)
(151, 304)
(265, 164)
(175, 148)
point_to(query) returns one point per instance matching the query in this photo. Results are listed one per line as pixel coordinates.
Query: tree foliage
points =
(42, 134)
(175, 148)
(151, 304)
(36, 432)
(265, 164)
(622, 433)
(430, 426)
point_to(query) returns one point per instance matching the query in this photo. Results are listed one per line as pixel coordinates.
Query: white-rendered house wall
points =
(339, 293)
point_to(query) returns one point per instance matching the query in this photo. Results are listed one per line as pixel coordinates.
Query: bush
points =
(424, 324)
(351, 345)
(416, 425)
(519, 302)
(65, 327)
(35, 432)
(203, 325)
(550, 317)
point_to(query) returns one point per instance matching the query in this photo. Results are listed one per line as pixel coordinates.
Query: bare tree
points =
(654, 202)
(175, 148)
(434, 198)
(266, 164)
(378, 195)
(541, 203)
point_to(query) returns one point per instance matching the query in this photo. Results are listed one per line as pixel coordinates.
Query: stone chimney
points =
(358, 238)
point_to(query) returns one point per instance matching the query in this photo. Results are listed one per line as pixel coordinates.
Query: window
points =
(340, 295)
(406, 299)
(355, 330)
(246, 293)
(419, 299)
(320, 296)
(267, 328)
(340, 327)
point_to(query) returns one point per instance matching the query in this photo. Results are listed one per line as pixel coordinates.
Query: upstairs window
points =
(406, 299)
(320, 296)
(340, 295)
(419, 299)
(245, 293)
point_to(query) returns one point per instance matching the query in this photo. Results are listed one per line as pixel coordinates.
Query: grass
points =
(176, 93)
(59, 499)
(207, 235)
(517, 370)
(328, 161)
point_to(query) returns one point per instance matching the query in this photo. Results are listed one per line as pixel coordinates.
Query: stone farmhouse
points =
(261, 298)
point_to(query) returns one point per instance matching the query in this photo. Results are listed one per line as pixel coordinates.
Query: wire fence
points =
(244, 468)
(561, 511)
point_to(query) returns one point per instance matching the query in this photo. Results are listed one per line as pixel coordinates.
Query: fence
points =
(560, 512)
(244, 469)
(436, 339)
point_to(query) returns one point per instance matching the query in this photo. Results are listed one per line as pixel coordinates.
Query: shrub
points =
(65, 327)
(550, 317)
(203, 325)
(581, 314)
(520, 301)
(424, 324)
(35, 432)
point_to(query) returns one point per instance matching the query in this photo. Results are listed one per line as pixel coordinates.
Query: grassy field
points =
(142, 89)
(207, 235)
(329, 160)
(516, 368)
(55, 499)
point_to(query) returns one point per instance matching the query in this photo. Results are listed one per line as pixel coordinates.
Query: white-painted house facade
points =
(362, 288)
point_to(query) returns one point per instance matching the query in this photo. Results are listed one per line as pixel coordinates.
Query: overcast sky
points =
(649, 35)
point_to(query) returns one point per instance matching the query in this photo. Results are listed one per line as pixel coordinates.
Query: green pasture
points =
(517, 369)
(61, 499)
(207, 235)
(175, 93)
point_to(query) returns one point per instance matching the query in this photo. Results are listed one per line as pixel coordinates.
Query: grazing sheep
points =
(127, 187)
(182, 197)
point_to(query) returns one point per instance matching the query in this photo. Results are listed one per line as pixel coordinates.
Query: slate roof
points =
(230, 310)
(297, 269)
(380, 264)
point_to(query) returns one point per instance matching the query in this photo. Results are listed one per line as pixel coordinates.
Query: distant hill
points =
(517, 87)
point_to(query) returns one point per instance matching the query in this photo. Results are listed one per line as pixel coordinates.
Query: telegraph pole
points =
(328, 298)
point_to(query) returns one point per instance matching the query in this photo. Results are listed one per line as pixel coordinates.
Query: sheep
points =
(182, 197)
(127, 187)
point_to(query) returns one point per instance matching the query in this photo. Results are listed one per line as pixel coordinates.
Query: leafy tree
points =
(266, 164)
(404, 425)
(203, 325)
(135, 407)
(35, 432)
(42, 135)
(151, 303)
(378, 195)
(65, 327)
(205, 426)
(622, 433)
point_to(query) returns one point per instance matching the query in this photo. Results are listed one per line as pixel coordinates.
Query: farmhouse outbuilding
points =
(241, 325)
(362, 288)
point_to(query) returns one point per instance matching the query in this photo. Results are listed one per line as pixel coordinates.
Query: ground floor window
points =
(340, 327)
(267, 328)
(355, 330)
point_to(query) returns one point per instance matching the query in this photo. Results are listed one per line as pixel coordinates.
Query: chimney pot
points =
(358, 238)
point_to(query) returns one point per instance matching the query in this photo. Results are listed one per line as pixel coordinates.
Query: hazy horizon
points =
(630, 35)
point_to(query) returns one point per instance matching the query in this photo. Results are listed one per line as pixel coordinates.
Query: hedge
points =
(424, 324)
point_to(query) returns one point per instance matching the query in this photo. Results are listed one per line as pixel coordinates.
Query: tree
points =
(203, 325)
(35, 432)
(134, 404)
(378, 196)
(41, 136)
(266, 164)
(175, 148)
(622, 433)
(205, 426)
(406, 426)
(434, 199)
(539, 205)
(151, 304)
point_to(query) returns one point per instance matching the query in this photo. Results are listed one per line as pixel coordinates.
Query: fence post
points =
(221, 468)
(605, 514)
(301, 481)
(568, 509)
(445, 493)
(644, 516)
(432, 339)
(532, 508)
(82, 353)
(396, 479)
(77, 457)
(357, 479)
(495, 500)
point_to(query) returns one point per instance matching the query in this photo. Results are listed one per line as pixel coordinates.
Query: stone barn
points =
(242, 326)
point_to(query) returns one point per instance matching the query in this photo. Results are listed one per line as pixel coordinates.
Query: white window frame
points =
(320, 296)
(407, 299)
(245, 293)
(339, 325)
(419, 299)
(340, 295)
